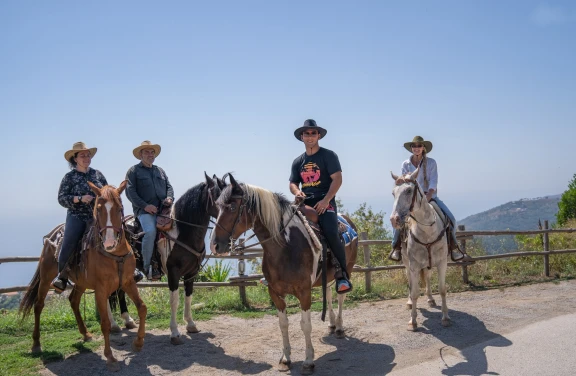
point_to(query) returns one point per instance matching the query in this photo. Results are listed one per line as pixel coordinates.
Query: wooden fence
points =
(241, 281)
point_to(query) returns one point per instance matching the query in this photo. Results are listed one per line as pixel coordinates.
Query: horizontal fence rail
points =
(241, 281)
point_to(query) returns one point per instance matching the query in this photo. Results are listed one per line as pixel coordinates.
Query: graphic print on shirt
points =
(310, 174)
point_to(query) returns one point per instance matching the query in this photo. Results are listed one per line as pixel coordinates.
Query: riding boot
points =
(138, 275)
(60, 282)
(396, 254)
(343, 285)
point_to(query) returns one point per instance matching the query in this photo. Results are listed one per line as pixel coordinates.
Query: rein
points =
(416, 191)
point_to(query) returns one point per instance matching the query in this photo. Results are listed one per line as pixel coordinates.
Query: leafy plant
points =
(216, 273)
(567, 204)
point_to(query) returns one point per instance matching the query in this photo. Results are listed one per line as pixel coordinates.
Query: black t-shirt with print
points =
(313, 172)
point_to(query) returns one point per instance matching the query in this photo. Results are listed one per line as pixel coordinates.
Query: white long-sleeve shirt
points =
(431, 172)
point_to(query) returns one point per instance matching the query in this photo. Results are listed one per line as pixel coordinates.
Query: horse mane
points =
(191, 207)
(108, 192)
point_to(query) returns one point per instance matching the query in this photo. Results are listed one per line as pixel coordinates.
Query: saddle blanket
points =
(349, 234)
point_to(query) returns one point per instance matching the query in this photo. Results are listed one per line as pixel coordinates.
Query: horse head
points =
(233, 219)
(108, 214)
(404, 193)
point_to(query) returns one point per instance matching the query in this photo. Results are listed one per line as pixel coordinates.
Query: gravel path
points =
(377, 341)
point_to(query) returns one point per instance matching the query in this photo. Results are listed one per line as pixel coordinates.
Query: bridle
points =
(416, 191)
(100, 230)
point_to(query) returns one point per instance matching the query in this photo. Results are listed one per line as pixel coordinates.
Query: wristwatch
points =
(79, 199)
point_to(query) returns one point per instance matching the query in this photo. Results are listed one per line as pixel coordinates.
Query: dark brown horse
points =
(107, 264)
(291, 254)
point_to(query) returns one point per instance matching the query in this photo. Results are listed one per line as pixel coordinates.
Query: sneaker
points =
(138, 275)
(264, 281)
(343, 286)
(59, 284)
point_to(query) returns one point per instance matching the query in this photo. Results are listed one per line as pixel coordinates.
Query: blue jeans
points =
(446, 211)
(148, 222)
(73, 232)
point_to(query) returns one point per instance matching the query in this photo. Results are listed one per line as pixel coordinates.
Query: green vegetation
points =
(567, 204)
(215, 273)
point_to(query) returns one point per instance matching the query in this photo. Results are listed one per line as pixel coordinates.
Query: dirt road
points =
(377, 341)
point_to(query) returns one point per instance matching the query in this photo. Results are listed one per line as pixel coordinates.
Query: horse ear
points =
(414, 175)
(220, 182)
(122, 187)
(395, 177)
(94, 189)
(233, 181)
(209, 181)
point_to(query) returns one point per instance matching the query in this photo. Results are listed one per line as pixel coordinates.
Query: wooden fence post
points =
(367, 275)
(546, 249)
(463, 246)
(241, 271)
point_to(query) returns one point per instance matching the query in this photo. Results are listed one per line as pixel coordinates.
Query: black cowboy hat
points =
(309, 124)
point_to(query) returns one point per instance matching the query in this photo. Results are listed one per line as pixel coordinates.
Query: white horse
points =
(426, 244)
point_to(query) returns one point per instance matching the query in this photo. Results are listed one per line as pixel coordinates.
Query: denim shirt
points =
(147, 186)
(75, 183)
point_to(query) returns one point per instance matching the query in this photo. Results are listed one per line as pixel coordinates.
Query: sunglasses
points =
(310, 133)
(417, 146)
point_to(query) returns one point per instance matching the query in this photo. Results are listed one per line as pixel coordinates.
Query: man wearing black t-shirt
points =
(318, 171)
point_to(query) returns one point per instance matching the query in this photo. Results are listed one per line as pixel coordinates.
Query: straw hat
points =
(309, 124)
(146, 145)
(78, 147)
(418, 140)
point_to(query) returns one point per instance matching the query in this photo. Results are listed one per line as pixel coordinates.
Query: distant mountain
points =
(515, 215)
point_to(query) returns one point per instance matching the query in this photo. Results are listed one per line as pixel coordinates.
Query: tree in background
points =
(567, 204)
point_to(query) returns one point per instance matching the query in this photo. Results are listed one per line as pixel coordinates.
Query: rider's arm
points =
(334, 186)
(131, 193)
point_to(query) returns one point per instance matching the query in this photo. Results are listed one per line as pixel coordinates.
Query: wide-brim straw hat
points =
(78, 147)
(146, 145)
(309, 124)
(418, 140)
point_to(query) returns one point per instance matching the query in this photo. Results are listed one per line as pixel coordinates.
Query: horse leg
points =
(101, 303)
(173, 279)
(189, 289)
(414, 293)
(306, 326)
(442, 287)
(407, 269)
(132, 291)
(285, 362)
(43, 287)
(128, 321)
(339, 321)
(331, 314)
(74, 298)
(425, 277)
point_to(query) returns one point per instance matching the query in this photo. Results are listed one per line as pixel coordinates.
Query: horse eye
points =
(232, 207)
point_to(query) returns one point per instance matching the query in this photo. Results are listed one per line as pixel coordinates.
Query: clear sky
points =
(222, 85)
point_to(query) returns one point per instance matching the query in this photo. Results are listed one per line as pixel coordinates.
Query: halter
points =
(119, 231)
(416, 191)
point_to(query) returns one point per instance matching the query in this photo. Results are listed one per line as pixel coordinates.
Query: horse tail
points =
(31, 295)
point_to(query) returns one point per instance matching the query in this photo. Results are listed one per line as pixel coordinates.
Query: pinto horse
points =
(426, 244)
(107, 263)
(291, 256)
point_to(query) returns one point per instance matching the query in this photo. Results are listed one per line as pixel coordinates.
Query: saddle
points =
(78, 256)
(163, 221)
(347, 234)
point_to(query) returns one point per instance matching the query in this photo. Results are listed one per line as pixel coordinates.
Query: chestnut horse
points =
(291, 255)
(107, 264)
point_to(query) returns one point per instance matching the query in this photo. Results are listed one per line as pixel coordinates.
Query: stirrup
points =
(395, 251)
(59, 284)
(264, 281)
(457, 252)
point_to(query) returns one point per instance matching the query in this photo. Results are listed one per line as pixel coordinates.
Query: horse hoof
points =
(408, 306)
(36, 349)
(130, 325)
(113, 366)
(431, 303)
(412, 327)
(192, 329)
(115, 329)
(284, 366)
(88, 337)
(332, 328)
(136, 347)
(307, 369)
(446, 322)
(340, 334)
(176, 341)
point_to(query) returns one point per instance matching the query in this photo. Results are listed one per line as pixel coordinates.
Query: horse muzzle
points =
(219, 248)
(396, 220)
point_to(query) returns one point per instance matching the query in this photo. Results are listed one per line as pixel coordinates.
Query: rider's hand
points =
(300, 194)
(167, 201)
(86, 199)
(429, 195)
(151, 209)
(321, 206)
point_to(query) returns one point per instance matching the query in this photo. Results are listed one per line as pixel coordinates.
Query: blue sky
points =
(222, 85)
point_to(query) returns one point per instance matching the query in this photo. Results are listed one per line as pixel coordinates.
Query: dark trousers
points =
(73, 232)
(329, 224)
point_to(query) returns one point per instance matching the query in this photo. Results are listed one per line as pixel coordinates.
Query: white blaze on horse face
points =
(109, 238)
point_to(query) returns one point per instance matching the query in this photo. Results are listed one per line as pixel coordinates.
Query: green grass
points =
(60, 337)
